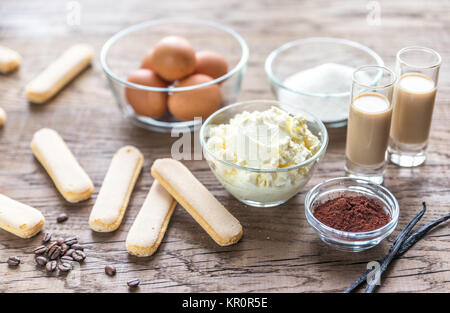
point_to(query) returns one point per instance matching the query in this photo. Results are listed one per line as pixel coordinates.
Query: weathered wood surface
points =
(279, 251)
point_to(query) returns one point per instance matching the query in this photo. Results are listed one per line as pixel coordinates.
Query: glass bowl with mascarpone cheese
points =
(260, 153)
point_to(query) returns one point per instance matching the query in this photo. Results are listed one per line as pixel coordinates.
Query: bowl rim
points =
(346, 234)
(274, 54)
(319, 153)
(136, 27)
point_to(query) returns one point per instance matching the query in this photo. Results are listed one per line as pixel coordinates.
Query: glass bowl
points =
(285, 62)
(123, 53)
(346, 186)
(237, 179)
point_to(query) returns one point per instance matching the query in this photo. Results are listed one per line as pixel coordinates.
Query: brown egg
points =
(148, 103)
(173, 58)
(146, 60)
(211, 63)
(185, 105)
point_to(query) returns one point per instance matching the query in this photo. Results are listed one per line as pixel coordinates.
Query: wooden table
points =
(279, 251)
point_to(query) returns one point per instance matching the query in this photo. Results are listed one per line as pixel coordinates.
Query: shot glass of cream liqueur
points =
(369, 122)
(414, 97)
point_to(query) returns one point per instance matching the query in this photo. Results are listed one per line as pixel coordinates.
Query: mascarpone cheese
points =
(268, 140)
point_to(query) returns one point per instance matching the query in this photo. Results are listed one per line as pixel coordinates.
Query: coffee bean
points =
(110, 270)
(47, 237)
(50, 266)
(71, 240)
(60, 241)
(133, 283)
(66, 258)
(51, 246)
(40, 250)
(41, 260)
(77, 246)
(13, 261)
(64, 266)
(78, 255)
(64, 248)
(56, 253)
(69, 252)
(62, 218)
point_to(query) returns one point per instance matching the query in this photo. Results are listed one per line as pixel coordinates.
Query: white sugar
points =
(323, 79)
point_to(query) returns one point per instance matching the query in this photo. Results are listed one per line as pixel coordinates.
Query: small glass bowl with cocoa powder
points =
(351, 214)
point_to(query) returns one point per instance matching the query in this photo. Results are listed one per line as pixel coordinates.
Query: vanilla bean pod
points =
(363, 277)
(412, 239)
(420, 233)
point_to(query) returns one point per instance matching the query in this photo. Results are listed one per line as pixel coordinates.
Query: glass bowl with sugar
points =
(315, 75)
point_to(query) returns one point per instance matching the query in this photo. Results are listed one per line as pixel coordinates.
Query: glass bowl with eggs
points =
(260, 153)
(169, 74)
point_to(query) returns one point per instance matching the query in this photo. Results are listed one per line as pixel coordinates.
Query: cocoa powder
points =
(352, 214)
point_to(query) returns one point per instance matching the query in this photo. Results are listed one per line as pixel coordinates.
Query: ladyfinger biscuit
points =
(19, 219)
(150, 225)
(70, 179)
(2, 117)
(9, 60)
(59, 73)
(223, 227)
(112, 200)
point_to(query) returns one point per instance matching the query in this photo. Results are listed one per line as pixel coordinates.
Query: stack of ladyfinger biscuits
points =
(48, 147)
(173, 181)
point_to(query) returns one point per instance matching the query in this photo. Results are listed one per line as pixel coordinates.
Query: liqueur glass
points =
(413, 108)
(369, 122)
